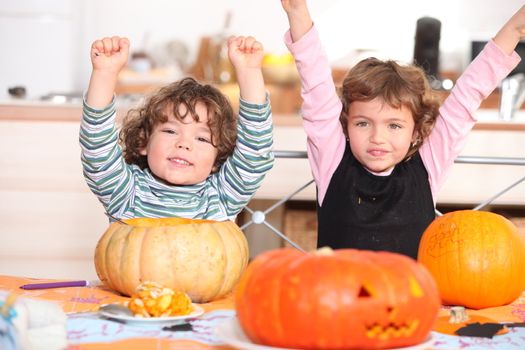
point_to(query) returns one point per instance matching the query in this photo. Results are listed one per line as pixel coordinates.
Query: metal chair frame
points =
(258, 217)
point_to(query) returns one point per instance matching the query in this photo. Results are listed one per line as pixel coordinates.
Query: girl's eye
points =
(395, 126)
(361, 124)
(169, 131)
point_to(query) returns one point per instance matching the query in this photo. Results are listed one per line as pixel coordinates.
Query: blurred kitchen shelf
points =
(285, 98)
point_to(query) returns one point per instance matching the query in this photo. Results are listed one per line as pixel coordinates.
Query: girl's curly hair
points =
(139, 123)
(397, 86)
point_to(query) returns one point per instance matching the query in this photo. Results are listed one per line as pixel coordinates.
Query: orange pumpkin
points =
(202, 258)
(340, 299)
(477, 258)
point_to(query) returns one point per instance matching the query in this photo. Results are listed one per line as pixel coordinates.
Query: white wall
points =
(38, 45)
(45, 43)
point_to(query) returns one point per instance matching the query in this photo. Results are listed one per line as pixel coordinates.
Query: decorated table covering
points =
(86, 329)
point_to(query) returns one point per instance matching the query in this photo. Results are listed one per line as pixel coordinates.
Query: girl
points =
(380, 152)
(182, 154)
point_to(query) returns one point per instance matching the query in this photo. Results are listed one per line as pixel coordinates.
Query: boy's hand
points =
(110, 54)
(246, 55)
(245, 52)
(108, 57)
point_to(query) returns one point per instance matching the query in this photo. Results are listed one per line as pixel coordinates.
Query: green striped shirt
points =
(126, 191)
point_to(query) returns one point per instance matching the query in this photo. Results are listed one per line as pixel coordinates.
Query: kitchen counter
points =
(45, 111)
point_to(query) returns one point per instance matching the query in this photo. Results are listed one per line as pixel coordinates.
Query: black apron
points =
(365, 211)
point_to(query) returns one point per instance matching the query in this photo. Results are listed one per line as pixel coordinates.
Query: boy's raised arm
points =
(246, 55)
(108, 57)
(298, 17)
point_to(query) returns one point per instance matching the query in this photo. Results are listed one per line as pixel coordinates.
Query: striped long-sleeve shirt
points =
(126, 191)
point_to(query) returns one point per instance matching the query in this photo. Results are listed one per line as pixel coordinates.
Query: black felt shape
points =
(515, 324)
(185, 327)
(483, 330)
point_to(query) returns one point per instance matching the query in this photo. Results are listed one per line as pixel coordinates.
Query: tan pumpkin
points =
(477, 258)
(202, 258)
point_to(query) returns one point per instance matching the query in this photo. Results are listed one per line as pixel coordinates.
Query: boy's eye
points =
(395, 126)
(361, 124)
(169, 131)
(203, 139)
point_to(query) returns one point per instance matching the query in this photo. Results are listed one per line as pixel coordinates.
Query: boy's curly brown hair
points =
(139, 123)
(397, 86)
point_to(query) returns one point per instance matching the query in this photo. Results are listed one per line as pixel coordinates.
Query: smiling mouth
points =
(179, 161)
(377, 153)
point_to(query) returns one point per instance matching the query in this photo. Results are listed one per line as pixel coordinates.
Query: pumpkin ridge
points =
(226, 268)
(141, 257)
(182, 264)
(172, 253)
(123, 260)
(243, 250)
(106, 268)
(115, 244)
(281, 306)
(232, 272)
(217, 291)
(100, 255)
(172, 249)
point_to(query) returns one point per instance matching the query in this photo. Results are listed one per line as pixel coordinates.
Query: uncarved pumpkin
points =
(336, 299)
(477, 258)
(202, 258)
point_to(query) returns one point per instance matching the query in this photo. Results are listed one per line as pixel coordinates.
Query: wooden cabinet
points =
(51, 222)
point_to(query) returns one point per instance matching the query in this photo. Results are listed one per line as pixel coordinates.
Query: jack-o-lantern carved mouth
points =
(392, 330)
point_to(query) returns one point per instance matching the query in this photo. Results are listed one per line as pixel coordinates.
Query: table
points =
(87, 330)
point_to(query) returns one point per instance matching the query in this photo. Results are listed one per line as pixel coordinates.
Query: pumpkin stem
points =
(324, 251)
(458, 314)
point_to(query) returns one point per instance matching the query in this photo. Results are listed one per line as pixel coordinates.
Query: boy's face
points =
(180, 152)
(379, 135)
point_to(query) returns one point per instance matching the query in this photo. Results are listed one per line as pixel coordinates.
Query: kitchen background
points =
(45, 44)
(51, 222)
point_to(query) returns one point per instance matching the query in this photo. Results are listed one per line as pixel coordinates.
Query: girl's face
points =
(379, 135)
(180, 152)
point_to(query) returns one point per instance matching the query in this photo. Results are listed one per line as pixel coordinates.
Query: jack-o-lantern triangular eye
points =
(365, 291)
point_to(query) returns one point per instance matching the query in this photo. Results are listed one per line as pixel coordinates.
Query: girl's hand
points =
(293, 5)
(512, 32)
(517, 22)
(245, 52)
(298, 17)
(110, 54)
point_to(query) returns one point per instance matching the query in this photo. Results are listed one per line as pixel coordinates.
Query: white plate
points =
(197, 311)
(231, 333)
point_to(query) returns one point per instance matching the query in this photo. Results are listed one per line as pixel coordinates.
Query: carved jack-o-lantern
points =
(341, 299)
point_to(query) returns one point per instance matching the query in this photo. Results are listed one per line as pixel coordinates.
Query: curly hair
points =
(139, 123)
(397, 86)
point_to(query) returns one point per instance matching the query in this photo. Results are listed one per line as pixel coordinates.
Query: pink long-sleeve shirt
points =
(321, 109)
